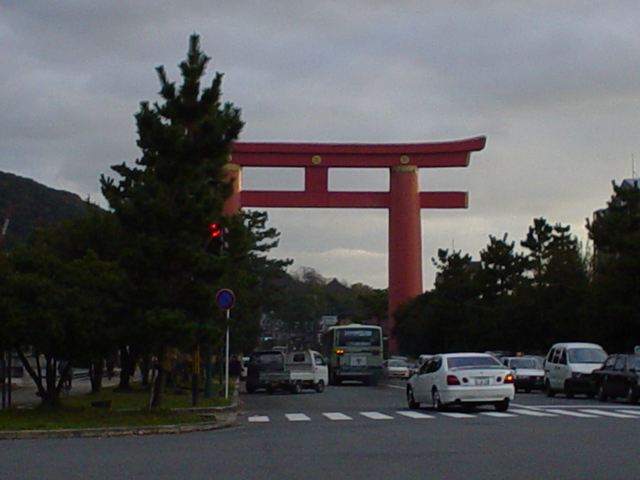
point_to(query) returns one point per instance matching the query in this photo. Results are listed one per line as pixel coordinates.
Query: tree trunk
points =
(127, 361)
(161, 378)
(95, 375)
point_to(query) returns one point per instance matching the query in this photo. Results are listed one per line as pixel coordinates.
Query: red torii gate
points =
(403, 200)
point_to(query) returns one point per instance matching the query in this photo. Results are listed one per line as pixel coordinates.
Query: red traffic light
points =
(215, 230)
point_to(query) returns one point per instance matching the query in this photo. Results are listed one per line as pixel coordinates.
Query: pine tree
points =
(166, 203)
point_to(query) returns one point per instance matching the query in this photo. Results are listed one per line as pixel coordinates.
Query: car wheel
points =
(296, 387)
(602, 396)
(631, 397)
(502, 406)
(320, 386)
(250, 388)
(436, 401)
(411, 401)
(549, 391)
(568, 391)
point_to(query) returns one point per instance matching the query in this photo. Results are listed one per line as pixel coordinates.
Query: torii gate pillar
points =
(405, 237)
(403, 200)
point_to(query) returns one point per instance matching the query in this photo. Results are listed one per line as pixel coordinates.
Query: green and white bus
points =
(354, 352)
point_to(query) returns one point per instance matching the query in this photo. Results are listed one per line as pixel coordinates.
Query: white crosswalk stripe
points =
(376, 416)
(630, 412)
(532, 413)
(607, 413)
(337, 416)
(571, 413)
(297, 417)
(259, 419)
(457, 415)
(418, 415)
(498, 414)
(412, 414)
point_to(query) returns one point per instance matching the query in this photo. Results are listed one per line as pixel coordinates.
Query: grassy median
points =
(111, 408)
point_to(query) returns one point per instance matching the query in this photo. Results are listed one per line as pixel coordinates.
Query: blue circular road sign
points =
(225, 299)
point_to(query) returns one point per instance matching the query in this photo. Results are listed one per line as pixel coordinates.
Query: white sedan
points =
(465, 379)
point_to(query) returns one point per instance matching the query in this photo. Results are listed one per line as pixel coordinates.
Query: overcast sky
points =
(553, 85)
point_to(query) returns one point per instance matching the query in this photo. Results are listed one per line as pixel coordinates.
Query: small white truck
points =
(303, 369)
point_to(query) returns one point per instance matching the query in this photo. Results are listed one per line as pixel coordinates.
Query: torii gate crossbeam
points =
(403, 200)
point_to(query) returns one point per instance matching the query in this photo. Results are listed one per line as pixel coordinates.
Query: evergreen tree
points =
(615, 300)
(165, 205)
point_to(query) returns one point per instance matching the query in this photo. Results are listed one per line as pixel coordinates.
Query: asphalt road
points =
(356, 432)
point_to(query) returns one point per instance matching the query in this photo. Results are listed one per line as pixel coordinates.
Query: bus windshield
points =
(358, 337)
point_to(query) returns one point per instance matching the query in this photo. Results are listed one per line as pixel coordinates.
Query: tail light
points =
(339, 352)
(508, 378)
(452, 380)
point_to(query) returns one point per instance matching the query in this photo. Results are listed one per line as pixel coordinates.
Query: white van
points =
(568, 367)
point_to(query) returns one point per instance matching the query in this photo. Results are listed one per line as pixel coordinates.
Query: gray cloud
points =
(553, 85)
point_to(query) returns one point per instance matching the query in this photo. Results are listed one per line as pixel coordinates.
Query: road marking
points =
(376, 415)
(533, 413)
(498, 414)
(337, 416)
(607, 414)
(259, 418)
(570, 413)
(457, 415)
(297, 417)
(416, 415)
(630, 412)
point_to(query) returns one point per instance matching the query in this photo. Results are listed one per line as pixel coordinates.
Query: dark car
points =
(263, 361)
(618, 378)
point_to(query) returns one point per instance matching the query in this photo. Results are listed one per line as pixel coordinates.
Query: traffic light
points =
(215, 244)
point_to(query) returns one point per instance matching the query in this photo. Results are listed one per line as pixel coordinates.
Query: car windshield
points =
(266, 358)
(473, 362)
(586, 355)
(523, 363)
(397, 363)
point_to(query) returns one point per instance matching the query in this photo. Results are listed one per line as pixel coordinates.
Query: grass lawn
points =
(127, 409)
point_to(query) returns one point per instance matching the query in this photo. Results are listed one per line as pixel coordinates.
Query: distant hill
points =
(34, 205)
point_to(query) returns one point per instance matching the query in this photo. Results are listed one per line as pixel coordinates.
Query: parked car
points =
(618, 378)
(464, 379)
(260, 362)
(528, 372)
(303, 369)
(568, 368)
(395, 368)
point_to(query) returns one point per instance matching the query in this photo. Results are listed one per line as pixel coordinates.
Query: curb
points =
(228, 417)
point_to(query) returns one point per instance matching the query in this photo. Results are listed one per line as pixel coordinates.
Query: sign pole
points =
(226, 387)
(226, 299)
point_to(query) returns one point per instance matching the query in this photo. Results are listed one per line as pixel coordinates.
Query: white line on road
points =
(630, 412)
(498, 414)
(337, 416)
(607, 414)
(533, 413)
(376, 416)
(259, 418)
(457, 415)
(416, 415)
(570, 413)
(297, 417)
